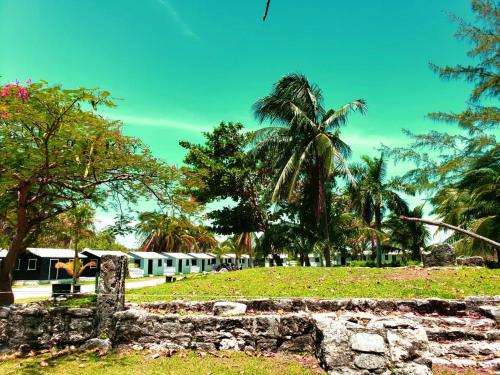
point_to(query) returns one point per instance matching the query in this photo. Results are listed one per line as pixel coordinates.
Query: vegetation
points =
(184, 362)
(339, 282)
(459, 170)
(57, 153)
(288, 187)
(304, 147)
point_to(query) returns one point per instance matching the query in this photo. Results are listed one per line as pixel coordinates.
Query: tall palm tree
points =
(303, 142)
(373, 195)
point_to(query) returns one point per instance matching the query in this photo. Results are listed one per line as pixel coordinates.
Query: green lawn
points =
(119, 363)
(341, 282)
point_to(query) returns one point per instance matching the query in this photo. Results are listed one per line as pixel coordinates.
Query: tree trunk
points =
(378, 226)
(6, 267)
(307, 261)
(277, 260)
(302, 259)
(15, 247)
(490, 242)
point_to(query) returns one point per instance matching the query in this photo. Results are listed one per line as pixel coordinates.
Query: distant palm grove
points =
(289, 187)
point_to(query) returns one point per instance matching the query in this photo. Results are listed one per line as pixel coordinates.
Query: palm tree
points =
(303, 143)
(160, 232)
(406, 235)
(474, 202)
(373, 195)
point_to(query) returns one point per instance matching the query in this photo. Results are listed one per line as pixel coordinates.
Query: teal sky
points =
(181, 66)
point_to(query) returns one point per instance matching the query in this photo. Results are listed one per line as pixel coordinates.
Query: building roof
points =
(282, 256)
(233, 256)
(53, 253)
(146, 255)
(201, 255)
(178, 255)
(100, 253)
(3, 253)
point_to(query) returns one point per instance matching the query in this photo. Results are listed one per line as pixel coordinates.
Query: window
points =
(169, 263)
(159, 263)
(31, 264)
(316, 260)
(193, 262)
(18, 267)
(213, 261)
(138, 262)
(93, 263)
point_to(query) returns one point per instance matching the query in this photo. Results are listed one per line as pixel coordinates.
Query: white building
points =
(177, 263)
(204, 262)
(269, 260)
(150, 262)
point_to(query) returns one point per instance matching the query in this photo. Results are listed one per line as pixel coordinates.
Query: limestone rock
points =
(101, 344)
(369, 361)
(475, 261)
(368, 343)
(229, 308)
(492, 312)
(111, 292)
(439, 255)
(414, 369)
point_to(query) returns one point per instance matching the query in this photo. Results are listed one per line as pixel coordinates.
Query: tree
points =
(441, 158)
(162, 232)
(473, 202)
(57, 153)
(303, 143)
(372, 194)
(406, 236)
(220, 170)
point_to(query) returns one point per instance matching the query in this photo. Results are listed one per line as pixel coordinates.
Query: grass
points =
(119, 363)
(340, 282)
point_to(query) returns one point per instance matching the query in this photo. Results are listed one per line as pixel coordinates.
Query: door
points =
(150, 267)
(202, 265)
(53, 271)
(180, 266)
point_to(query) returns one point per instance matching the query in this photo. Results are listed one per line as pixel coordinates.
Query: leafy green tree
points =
(57, 153)
(219, 170)
(441, 158)
(373, 195)
(303, 144)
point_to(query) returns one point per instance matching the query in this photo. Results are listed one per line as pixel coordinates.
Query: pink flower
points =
(5, 114)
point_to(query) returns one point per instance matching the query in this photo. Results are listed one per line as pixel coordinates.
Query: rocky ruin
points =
(439, 255)
(349, 336)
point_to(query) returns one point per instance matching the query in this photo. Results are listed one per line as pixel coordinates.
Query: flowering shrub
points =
(15, 89)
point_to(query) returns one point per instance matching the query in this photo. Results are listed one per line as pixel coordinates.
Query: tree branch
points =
(267, 9)
(452, 227)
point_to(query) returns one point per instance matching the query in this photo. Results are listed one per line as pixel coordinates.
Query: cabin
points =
(340, 260)
(95, 256)
(243, 261)
(203, 261)
(315, 260)
(269, 260)
(151, 263)
(38, 264)
(176, 263)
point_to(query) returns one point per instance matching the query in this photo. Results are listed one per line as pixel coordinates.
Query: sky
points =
(180, 67)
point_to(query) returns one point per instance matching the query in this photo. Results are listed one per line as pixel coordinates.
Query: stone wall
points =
(35, 326)
(356, 336)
